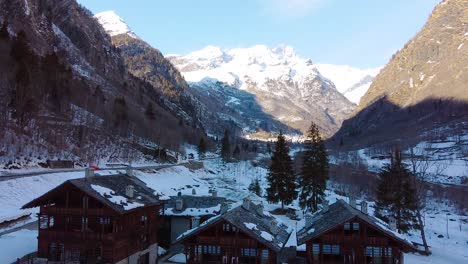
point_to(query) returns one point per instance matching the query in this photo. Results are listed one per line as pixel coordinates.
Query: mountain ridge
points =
(286, 86)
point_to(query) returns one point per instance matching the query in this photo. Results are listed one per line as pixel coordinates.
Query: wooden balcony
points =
(226, 241)
(81, 236)
(354, 239)
(76, 211)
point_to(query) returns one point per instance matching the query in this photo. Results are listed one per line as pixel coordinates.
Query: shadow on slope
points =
(237, 109)
(385, 124)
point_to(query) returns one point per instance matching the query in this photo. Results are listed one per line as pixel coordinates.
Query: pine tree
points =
(236, 152)
(255, 187)
(314, 171)
(149, 112)
(396, 196)
(225, 147)
(201, 148)
(281, 178)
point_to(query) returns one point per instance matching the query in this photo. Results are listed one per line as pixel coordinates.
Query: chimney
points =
(179, 204)
(129, 191)
(308, 220)
(274, 228)
(392, 223)
(246, 203)
(194, 192)
(224, 208)
(89, 173)
(325, 206)
(214, 193)
(364, 207)
(129, 171)
(195, 221)
(259, 209)
(352, 202)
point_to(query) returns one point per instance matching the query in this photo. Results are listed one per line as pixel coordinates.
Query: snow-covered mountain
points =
(351, 82)
(114, 24)
(286, 86)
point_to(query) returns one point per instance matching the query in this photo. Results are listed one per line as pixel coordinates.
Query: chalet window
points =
(98, 252)
(43, 221)
(56, 252)
(315, 249)
(104, 220)
(211, 250)
(265, 255)
(198, 250)
(331, 249)
(356, 226)
(143, 220)
(347, 226)
(229, 228)
(51, 221)
(388, 252)
(85, 201)
(249, 252)
(143, 238)
(84, 223)
(373, 251)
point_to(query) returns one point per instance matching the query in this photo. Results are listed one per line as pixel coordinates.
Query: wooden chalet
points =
(244, 234)
(98, 219)
(184, 212)
(340, 233)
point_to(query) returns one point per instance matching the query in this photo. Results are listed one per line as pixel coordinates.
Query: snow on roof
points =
(117, 199)
(267, 229)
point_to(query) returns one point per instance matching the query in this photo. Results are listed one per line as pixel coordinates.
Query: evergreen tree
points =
(149, 112)
(281, 178)
(396, 196)
(236, 152)
(225, 147)
(201, 148)
(314, 170)
(255, 187)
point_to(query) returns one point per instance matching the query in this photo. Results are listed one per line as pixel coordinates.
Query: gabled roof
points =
(109, 190)
(257, 226)
(337, 214)
(194, 205)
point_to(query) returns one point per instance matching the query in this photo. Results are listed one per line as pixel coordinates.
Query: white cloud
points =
(292, 8)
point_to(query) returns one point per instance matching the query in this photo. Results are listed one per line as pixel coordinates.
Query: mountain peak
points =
(114, 24)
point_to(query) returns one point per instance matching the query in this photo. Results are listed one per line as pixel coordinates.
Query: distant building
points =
(99, 219)
(245, 234)
(340, 233)
(183, 212)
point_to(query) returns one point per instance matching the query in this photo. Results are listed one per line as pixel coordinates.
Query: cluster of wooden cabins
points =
(118, 219)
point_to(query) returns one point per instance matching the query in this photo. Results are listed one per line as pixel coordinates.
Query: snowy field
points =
(231, 181)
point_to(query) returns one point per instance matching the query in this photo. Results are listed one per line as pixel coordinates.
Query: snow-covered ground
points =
(447, 159)
(229, 180)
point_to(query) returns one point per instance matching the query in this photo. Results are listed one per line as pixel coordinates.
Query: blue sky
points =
(360, 33)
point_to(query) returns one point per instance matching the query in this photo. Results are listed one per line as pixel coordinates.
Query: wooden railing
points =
(354, 239)
(76, 211)
(75, 235)
(226, 241)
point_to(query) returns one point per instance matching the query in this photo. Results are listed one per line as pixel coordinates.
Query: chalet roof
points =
(263, 227)
(337, 214)
(110, 190)
(194, 205)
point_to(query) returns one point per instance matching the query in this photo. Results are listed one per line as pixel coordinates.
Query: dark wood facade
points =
(354, 242)
(222, 242)
(76, 227)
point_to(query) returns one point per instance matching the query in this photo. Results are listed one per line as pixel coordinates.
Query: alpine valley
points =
(156, 153)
